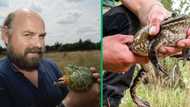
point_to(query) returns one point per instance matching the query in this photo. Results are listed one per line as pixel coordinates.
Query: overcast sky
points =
(66, 20)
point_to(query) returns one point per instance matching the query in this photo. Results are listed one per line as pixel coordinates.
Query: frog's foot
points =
(136, 99)
(141, 103)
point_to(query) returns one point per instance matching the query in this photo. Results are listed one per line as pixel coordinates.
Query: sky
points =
(66, 21)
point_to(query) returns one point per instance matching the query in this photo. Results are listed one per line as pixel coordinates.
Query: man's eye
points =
(27, 35)
(42, 36)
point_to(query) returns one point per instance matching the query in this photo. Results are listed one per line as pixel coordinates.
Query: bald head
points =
(19, 15)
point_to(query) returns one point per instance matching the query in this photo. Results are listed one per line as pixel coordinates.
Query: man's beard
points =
(22, 61)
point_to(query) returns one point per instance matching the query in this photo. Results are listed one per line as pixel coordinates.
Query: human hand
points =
(116, 54)
(95, 74)
(89, 98)
(156, 15)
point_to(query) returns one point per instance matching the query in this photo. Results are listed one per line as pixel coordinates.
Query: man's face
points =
(26, 43)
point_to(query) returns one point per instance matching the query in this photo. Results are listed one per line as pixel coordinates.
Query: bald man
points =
(26, 78)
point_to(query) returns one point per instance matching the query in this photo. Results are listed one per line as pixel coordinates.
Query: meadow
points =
(163, 96)
(82, 58)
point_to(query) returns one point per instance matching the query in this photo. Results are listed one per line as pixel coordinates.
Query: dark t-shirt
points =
(17, 91)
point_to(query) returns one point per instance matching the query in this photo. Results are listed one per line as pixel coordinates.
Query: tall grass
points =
(82, 58)
(159, 96)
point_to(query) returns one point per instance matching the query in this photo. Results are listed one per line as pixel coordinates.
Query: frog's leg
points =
(139, 102)
(153, 56)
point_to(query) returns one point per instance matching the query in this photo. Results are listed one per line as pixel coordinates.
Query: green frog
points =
(77, 78)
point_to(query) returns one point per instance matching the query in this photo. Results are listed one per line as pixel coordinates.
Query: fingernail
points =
(152, 30)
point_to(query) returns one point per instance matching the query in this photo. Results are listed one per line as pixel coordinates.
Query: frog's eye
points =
(174, 14)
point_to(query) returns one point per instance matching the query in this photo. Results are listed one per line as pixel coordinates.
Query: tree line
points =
(76, 46)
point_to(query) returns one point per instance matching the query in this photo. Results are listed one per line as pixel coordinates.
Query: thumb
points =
(127, 39)
(154, 28)
(155, 25)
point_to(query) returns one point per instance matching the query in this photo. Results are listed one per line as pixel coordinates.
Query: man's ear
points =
(5, 34)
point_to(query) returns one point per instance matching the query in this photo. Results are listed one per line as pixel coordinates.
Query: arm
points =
(143, 9)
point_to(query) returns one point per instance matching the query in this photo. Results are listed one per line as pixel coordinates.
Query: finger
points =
(96, 75)
(93, 69)
(184, 43)
(119, 37)
(133, 59)
(127, 39)
(141, 60)
(168, 50)
(188, 33)
(155, 27)
(155, 24)
(61, 78)
(59, 83)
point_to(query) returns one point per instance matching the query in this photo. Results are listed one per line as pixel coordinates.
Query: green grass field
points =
(159, 96)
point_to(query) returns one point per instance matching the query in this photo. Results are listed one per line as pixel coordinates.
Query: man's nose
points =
(38, 42)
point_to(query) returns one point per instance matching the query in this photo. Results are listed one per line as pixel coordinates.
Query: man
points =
(26, 79)
(120, 23)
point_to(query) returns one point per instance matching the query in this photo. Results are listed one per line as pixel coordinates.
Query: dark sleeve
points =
(4, 95)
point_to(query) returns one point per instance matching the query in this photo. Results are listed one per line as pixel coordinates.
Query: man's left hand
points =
(155, 17)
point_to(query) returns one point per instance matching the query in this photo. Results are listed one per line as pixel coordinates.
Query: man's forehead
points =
(23, 17)
(25, 11)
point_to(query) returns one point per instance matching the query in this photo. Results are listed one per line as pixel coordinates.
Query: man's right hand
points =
(117, 56)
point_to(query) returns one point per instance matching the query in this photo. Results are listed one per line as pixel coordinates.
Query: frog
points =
(77, 78)
(172, 29)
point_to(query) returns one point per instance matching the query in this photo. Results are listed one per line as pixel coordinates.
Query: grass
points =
(82, 58)
(159, 96)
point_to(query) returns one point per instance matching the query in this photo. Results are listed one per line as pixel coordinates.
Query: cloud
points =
(66, 20)
(36, 7)
(4, 3)
(69, 18)
(75, 0)
(86, 29)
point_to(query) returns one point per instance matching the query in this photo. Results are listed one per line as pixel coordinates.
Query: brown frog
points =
(172, 30)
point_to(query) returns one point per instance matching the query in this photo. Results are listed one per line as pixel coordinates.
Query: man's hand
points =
(89, 98)
(117, 56)
(96, 74)
(156, 15)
